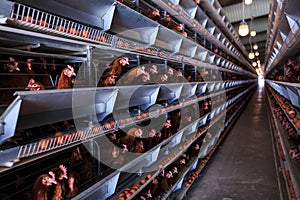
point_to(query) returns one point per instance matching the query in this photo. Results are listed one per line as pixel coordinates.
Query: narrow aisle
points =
(243, 168)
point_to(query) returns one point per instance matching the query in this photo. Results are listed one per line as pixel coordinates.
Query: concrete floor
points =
(243, 168)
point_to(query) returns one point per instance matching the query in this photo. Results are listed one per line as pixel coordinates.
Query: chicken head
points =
(48, 179)
(34, 86)
(69, 71)
(124, 61)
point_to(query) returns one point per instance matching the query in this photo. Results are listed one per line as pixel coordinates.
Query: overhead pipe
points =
(138, 58)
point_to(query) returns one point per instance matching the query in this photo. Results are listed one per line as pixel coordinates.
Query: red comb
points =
(51, 174)
(31, 82)
(69, 67)
(63, 169)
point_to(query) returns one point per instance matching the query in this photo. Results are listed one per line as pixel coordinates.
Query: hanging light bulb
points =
(258, 64)
(257, 53)
(251, 55)
(254, 64)
(257, 71)
(260, 70)
(248, 2)
(253, 33)
(243, 29)
(255, 46)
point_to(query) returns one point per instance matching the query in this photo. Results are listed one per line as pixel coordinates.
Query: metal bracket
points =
(1, 127)
(9, 157)
(28, 47)
(9, 119)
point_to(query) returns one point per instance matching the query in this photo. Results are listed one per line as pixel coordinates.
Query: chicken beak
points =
(53, 181)
(73, 74)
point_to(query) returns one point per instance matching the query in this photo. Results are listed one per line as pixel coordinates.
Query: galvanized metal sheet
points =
(135, 96)
(188, 47)
(170, 91)
(189, 6)
(133, 25)
(60, 105)
(188, 90)
(168, 40)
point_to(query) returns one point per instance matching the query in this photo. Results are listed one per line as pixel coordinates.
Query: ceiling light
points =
(259, 65)
(243, 29)
(255, 47)
(254, 64)
(253, 33)
(257, 71)
(251, 55)
(257, 53)
(248, 2)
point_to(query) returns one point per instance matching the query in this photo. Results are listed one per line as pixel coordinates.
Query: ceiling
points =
(258, 11)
